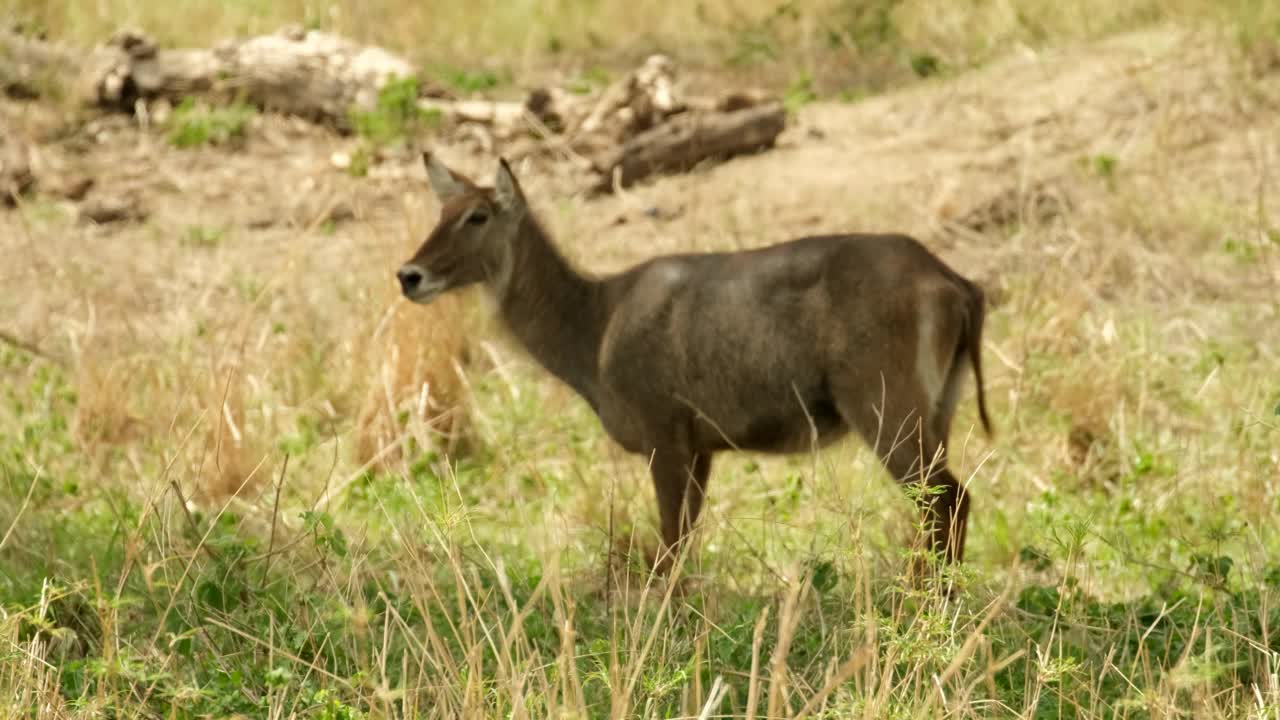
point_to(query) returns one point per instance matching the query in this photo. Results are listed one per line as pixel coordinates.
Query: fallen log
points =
(642, 99)
(685, 140)
(312, 74)
(638, 126)
(504, 116)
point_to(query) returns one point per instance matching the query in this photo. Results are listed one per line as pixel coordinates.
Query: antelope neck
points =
(555, 311)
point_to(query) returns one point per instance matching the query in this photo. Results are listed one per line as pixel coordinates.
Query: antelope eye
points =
(479, 217)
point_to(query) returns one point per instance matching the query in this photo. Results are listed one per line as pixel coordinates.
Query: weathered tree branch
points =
(312, 74)
(14, 341)
(686, 140)
(638, 126)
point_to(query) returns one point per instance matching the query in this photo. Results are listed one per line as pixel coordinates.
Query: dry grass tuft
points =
(232, 453)
(415, 390)
(104, 415)
(31, 678)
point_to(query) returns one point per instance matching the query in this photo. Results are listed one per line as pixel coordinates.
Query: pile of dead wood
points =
(637, 126)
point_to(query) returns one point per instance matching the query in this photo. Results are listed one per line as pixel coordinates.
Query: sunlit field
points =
(240, 476)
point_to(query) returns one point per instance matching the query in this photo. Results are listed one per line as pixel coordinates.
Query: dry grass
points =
(850, 45)
(197, 333)
(416, 355)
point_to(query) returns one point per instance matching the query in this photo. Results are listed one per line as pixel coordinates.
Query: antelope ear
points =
(444, 182)
(507, 189)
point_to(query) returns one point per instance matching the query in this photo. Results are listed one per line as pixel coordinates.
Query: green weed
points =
(1105, 166)
(201, 236)
(196, 125)
(925, 65)
(396, 117)
(799, 93)
(471, 81)
(589, 81)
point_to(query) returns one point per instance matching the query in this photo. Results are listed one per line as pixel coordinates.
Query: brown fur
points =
(779, 349)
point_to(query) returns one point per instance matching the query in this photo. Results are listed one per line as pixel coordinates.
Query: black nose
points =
(410, 277)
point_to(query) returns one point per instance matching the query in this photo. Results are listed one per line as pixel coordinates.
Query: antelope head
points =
(473, 238)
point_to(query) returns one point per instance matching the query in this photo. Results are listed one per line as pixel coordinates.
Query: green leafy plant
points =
(395, 117)
(471, 81)
(202, 236)
(327, 535)
(195, 125)
(1241, 250)
(800, 92)
(925, 64)
(590, 80)
(1104, 165)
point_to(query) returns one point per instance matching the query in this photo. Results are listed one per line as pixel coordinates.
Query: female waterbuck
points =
(778, 349)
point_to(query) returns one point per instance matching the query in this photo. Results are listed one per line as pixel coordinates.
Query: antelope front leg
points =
(680, 482)
(947, 512)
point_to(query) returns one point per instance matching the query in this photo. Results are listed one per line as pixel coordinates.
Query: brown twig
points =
(275, 516)
(21, 508)
(27, 347)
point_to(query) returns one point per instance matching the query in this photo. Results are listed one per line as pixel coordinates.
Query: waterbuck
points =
(778, 349)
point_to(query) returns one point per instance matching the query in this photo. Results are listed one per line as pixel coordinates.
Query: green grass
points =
(203, 236)
(469, 82)
(394, 121)
(799, 93)
(195, 125)
(396, 116)
(591, 80)
(416, 594)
